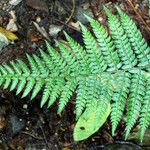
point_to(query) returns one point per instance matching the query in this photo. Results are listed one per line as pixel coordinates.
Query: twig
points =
(149, 7)
(35, 137)
(131, 4)
(69, 26)
(44, 136)
(72, 11)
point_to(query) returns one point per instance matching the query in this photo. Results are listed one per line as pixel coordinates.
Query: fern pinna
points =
(113, 69)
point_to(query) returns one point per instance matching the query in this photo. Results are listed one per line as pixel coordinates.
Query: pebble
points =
(54, 29)
(16, 124)
(3, 41)
(25, 106)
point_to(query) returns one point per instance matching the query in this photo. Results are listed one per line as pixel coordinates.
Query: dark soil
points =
(23, 124)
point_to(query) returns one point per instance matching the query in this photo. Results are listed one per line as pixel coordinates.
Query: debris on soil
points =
(54, 29)
(9, 35)
(11, 26)
(14, 2)
(3, 41)
(16, 124)
(41, 30)
(38, 4)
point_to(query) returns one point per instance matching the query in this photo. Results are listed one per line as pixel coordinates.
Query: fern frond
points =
(121, 41)
(97, 62)
(108, 70)
(38, 86)
(47, 90)
(81, 99)
(94, 90)
(57, 89)
(68, 90)
(24, 67)
(80, 54)
(69, 58)
(6, 70)
(145, 112)
(52, 67)
(57, 59)
(21, 84)
(16, 68)
(33, 65)
(106, 44)
(44, 71)
(138, 43)
(119, 98)
(137, 91)
(29, 86)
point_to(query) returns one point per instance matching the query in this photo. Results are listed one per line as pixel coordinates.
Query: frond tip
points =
(110, 74)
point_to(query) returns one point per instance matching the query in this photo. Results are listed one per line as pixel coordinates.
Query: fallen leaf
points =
(11, 26)
(91, 120)
(36, 39)
(9, 35)
(3, 41)
(41, 30)
(76, 25)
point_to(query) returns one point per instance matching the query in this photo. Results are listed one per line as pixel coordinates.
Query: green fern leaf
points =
(81, 99)
(97, 62)
(29, 86)
(14, 83)
(110, 70)
(145, 112)
(47, 90)
(138, 43)
(69, 58)
(106, 44)
(67, 93)
(21, 84)
(121, 41)
(38, 86)
(119, 97)
(91, 120)
(57, 89)
(33, 65)
(80, 54)
(137, 91)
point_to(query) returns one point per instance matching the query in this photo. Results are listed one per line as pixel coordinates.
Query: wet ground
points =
(23, 124)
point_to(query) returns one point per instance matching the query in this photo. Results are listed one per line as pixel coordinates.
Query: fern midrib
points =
(66, 75)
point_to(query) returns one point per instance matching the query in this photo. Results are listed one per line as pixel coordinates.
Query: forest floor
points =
(23, 124)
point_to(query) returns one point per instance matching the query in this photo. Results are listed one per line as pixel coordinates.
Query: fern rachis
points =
(113, 69)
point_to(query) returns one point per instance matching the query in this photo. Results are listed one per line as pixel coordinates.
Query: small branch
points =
(69, 26)
(35, 137)
(44, 136)
(131, 4)
(72, 11)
